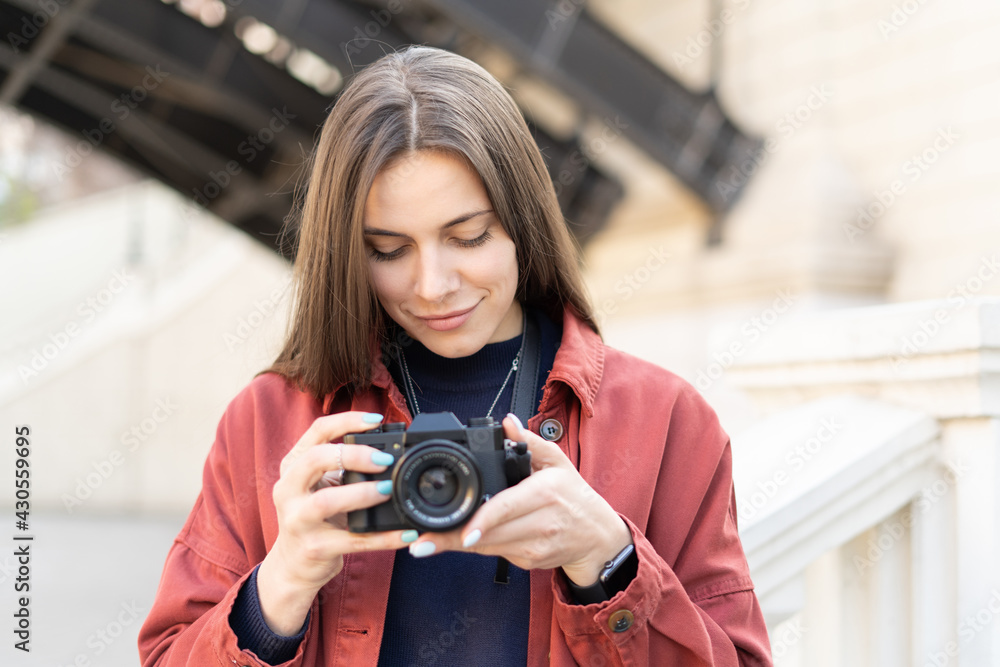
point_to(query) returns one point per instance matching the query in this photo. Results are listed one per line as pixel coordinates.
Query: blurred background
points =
(793, 205)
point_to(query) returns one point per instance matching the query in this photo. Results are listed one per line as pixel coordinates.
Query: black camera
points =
(443, 471)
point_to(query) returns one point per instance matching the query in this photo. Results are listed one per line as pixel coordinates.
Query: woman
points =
(431, 244)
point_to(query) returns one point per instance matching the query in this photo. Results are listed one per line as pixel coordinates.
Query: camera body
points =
(443, 471)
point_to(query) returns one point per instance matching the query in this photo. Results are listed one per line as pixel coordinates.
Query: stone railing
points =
(868, 495)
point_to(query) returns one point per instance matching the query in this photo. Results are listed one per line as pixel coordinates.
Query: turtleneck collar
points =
(482, 370)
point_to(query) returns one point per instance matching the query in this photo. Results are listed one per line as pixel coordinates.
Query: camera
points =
(443, 471)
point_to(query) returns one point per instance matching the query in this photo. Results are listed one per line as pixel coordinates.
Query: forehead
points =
(426, 187)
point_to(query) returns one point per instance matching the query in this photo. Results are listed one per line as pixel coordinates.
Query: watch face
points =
(620, 572)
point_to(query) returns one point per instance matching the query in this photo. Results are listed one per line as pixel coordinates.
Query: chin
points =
(453, 349)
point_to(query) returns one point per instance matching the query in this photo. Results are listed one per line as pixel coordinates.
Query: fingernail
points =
(372, 418)
(472, 538)
(384, 487)
(410, 536)
(423, 549)
(382, 458)
(520, 426)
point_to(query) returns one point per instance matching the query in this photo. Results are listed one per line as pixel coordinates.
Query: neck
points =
(511, 325)
(468, 386)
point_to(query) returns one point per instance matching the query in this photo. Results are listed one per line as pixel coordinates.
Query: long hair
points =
(420, 98)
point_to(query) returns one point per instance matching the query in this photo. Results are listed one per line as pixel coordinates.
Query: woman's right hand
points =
(312, 511)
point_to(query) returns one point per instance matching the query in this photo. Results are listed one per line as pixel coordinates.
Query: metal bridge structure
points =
(222, 100)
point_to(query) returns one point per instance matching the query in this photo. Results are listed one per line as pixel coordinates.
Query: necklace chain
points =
(412, 394)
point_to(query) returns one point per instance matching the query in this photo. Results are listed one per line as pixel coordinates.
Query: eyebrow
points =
(374, 231)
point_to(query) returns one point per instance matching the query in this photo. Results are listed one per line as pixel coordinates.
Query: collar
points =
(579, 365)
(579, 362)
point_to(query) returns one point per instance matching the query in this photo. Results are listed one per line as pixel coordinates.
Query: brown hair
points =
(421, 98)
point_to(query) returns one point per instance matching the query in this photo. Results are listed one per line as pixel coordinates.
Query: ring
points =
(340, 463)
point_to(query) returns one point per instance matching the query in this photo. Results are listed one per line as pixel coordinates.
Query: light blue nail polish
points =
(384, 487)
(382, 458)
(410, 536)
(372, 418)
(423, 549)
(520, 426)
(472, 538)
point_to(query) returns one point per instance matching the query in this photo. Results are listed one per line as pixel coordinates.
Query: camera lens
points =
(437, 485)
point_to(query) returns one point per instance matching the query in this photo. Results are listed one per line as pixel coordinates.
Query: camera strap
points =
(523, 403)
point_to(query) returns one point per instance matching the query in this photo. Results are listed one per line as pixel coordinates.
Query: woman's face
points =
(443, 267)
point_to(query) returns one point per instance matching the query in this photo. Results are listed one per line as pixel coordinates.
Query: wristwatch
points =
(615, 577)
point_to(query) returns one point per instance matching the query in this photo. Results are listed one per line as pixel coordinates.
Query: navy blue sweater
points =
(445, 609)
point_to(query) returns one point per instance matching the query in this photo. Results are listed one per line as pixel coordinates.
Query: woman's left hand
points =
(551, 519)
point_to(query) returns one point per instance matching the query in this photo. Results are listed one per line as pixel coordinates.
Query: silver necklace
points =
(411, 392)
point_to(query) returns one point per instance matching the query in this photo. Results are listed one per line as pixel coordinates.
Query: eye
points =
(380, 256)
(476, 242)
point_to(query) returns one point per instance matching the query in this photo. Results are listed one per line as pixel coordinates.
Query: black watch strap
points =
(615, 577)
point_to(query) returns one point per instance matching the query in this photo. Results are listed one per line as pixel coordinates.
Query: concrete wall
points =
(138, 321)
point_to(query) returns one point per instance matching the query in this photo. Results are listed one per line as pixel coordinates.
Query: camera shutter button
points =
(551, 430)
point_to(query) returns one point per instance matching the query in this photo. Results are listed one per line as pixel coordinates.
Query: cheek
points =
(387, 287)
(505, 268)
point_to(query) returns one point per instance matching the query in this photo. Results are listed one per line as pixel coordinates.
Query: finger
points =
(435, 543)
(544, 454)
(331, 428)
(550, 489)
(526, 498)
(310, 467)
(518, 523)
(330, 478)
(533, 538)
(339, 541)
(502, 507)
(363, 458)
(359, 542)
(334, 500)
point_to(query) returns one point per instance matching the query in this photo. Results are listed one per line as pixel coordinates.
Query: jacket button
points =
(551, 430)
(621, 620)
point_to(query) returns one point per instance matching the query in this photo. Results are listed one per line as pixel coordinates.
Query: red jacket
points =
(641, 437)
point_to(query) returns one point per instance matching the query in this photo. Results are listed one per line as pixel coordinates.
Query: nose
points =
(435, 278)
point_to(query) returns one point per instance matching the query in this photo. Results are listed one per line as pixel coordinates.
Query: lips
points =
(448, 321)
